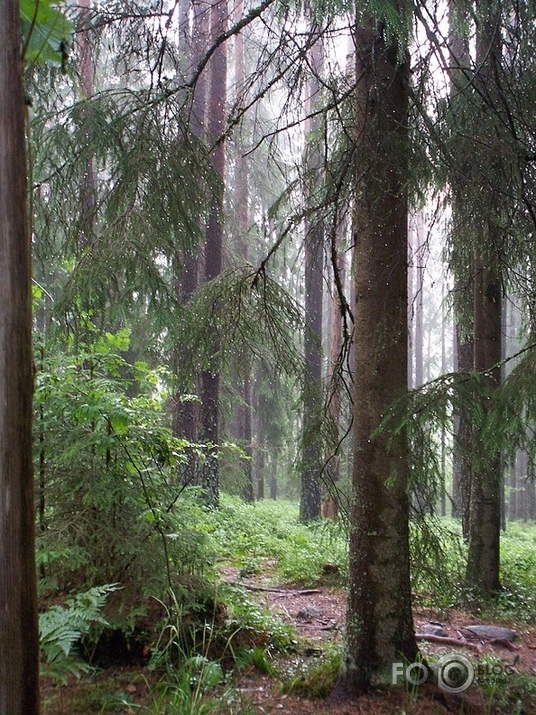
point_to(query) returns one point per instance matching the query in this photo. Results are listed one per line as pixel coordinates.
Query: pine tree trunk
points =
(310, 501)
(336, 359)
(245, 438)
(258, 435)
(530, 492)
(19, 640)
(443, 495)
(88, 188)
(379, 623)
(463, 341)
(418, 302)
(199, 45)
(242, 216)
(522, 471)
(512, 495)
(463, 439)
(273, 479)
(210, 379)
(185, 417)
(483, 558)
(485, 504)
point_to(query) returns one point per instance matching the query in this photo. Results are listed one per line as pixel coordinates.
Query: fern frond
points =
(61, 627)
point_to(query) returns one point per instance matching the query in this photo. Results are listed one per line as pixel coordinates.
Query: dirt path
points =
(318, 614)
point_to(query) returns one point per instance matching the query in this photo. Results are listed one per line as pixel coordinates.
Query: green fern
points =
(61, 627)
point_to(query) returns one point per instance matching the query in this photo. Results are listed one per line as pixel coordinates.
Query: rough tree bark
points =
(483, 559)
(88, 188)
(185, 417)
(459, 57)
(210, 379)
(242, 216)
(19, 641)
(337, 358)
(310, 501)
(463, 438)
(485, 504)
(379, 622)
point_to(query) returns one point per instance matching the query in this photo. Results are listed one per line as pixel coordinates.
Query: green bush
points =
(110, 505)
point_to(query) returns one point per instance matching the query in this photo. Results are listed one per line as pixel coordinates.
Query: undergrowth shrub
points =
(61, 628)
(315, 677)
(110, 506)
(236, 626)
(439, 557)
(270, 530)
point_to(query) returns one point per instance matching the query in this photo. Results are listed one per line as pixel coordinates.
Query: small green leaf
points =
(46, 32)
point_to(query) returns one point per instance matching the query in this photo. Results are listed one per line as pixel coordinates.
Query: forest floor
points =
(506, 671)
(318, 614)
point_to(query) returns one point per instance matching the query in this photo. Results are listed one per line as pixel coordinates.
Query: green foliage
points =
(187, 694)
(437, 560)
(62, 627)
(142, 220)
(249, 313)
(395, 18)
(109, 500)
(314, 678)
(46, 32)
(510, 698)
(517, 600)
(438, 582)
(271, 530)
(256, 658)
(230, 628)
(248, 623)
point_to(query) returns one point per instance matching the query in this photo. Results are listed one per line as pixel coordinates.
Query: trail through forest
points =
(318, 614)
(300, 681)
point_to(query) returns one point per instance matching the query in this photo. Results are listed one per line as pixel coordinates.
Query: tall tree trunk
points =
(213, 257)
(463, 438)
(483, 559)
(259, 434)
(88, 189)
(379, 621)
(310, 502)
(463, 338)
(485, 510)
(19, 640)
(273, 478)
(242, 216)
(530, 512)
(245, 438)
(522, 474)
(185, 417)
(336, 362)
(512, 494)
(443, 494)
(419, 250)
(199, 45)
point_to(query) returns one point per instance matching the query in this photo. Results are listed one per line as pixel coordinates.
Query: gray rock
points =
(434, 629)
(308, 613)
(488, 632)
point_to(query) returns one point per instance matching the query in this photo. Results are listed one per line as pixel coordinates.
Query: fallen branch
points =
(281, 591)
(447, 641)
(502, 643)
